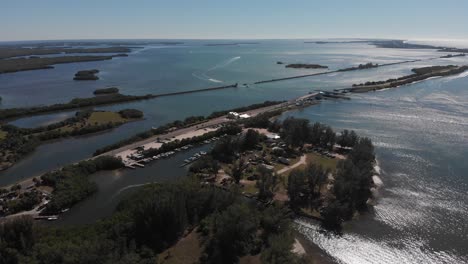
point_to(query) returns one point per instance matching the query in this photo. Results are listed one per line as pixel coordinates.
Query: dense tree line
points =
(15, 146)
(261, 120)
(131, 113)
(304, 186)
(71, 183)
(296, 132)
(206, 164)
(361, 67)
(267, 183)
(228, 148)
(347, 138)
(352, 186)
(150, 221)
(110, 90)
(25, 202)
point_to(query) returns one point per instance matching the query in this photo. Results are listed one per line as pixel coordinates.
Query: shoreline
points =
(312, 250)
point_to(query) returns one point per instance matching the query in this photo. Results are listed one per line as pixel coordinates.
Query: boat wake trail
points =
(128, 187)
(204, 75)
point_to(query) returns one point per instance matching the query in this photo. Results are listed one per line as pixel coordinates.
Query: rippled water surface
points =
(421, 137)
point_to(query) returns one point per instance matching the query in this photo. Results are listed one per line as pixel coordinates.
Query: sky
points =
(239, 19)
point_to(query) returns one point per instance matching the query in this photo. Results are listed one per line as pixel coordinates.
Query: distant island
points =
(361, 67)
(453, 50)
(35, 63)
(11, 52)
(232, 44)
(86, 75)
(393, 44)
(336, 42)
(453, 55)
(110, 90)
(305, 66)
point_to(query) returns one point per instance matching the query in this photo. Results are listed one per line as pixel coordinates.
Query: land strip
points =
(22, 141)
(26, 64)
(12, 52)
(394, 44)
(419, 75)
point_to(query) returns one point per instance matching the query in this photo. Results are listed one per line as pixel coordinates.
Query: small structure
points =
(233, 115)
(273, 136)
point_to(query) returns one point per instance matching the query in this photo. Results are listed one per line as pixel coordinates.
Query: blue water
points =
(420, 132)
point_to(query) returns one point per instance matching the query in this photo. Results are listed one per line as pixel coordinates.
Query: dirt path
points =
(301, 161)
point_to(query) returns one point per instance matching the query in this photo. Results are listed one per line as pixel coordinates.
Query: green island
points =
(453, 50)
(36, 63)
(10, 113)
(22, 141)
(86, 75)
(453, 55)
(11, 52)
(110, 90)
(305, 66)
(419, 74)
(361, 67)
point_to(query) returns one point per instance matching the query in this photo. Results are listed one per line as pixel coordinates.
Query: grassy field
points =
(279, 166)
(249, 187)
(3, 134)
(104, 118)
(187, 250)
(96, 119)
(326, 162)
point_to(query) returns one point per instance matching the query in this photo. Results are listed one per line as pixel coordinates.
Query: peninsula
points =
(11, 52)
(36, 63)
(15, 142)
(419, 75)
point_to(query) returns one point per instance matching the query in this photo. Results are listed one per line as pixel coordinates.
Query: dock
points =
(46, 217)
